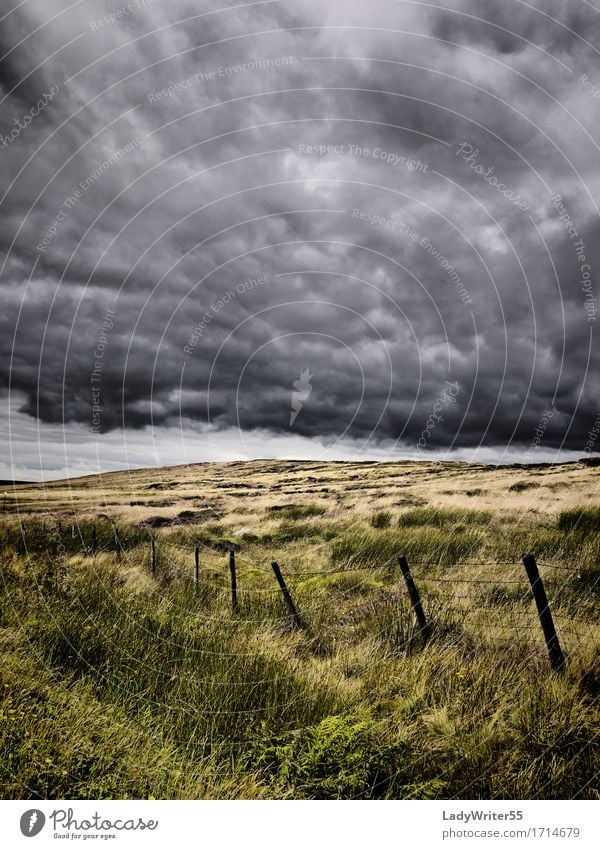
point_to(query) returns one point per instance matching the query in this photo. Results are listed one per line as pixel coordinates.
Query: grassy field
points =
(118, 684)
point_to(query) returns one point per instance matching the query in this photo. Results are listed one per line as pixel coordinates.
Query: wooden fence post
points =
(415, 599)
(21, 544)
(94, 540)
(196, 568)
(287, 596)
(557, 658)
(153, 556)
(117, 544)
(234, 601)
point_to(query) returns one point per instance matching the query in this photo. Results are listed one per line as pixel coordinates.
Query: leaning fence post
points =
(94, 540)
(557, 658)
(21, 544)
(196, 568)
(153, 556)
(415, 599)
(287, 596)
(234, 601)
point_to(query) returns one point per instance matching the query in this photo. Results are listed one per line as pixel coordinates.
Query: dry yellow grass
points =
(240, 493)
(355, 704)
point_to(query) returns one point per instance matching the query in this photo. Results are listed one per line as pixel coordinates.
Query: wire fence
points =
(498, 605)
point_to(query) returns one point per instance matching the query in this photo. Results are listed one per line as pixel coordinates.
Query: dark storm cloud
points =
(251, 209)
(511, 27)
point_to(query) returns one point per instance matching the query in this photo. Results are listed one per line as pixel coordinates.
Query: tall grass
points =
(363, 547)
(433, 517)
(115, 685)
(583, 520)
(297, 511)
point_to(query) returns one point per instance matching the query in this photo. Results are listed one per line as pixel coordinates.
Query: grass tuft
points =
(583, 520)
(381, 519)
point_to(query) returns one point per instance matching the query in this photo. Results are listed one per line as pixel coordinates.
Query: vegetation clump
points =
(297, 511)
(381, 519)
(582, 520)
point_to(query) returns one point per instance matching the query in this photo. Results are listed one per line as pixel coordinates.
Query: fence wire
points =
(507, 616)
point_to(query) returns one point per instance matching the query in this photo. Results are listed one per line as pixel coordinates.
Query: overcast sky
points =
(298, 229)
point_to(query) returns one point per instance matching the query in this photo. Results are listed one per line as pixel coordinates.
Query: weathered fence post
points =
(21, 544)
(287, 596)
(415, 599)
(234, 601)
(94, 540)
(557, 658)
(196, 568)
(153, 556)
(117, 544)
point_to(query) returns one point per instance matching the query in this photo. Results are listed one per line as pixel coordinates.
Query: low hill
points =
(131, 669)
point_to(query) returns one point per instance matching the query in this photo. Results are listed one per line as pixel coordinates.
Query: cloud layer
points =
(394, 196)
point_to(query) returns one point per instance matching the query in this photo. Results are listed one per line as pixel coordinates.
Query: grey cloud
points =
(450, 282)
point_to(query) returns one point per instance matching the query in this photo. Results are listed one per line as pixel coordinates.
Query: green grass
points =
(372, 549)
(435, 517)
(297, 511)
(381, 519)
(292, 530)
(583, 520)
(117, 685)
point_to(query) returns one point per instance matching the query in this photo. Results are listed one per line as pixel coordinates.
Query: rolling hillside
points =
(124, 677)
